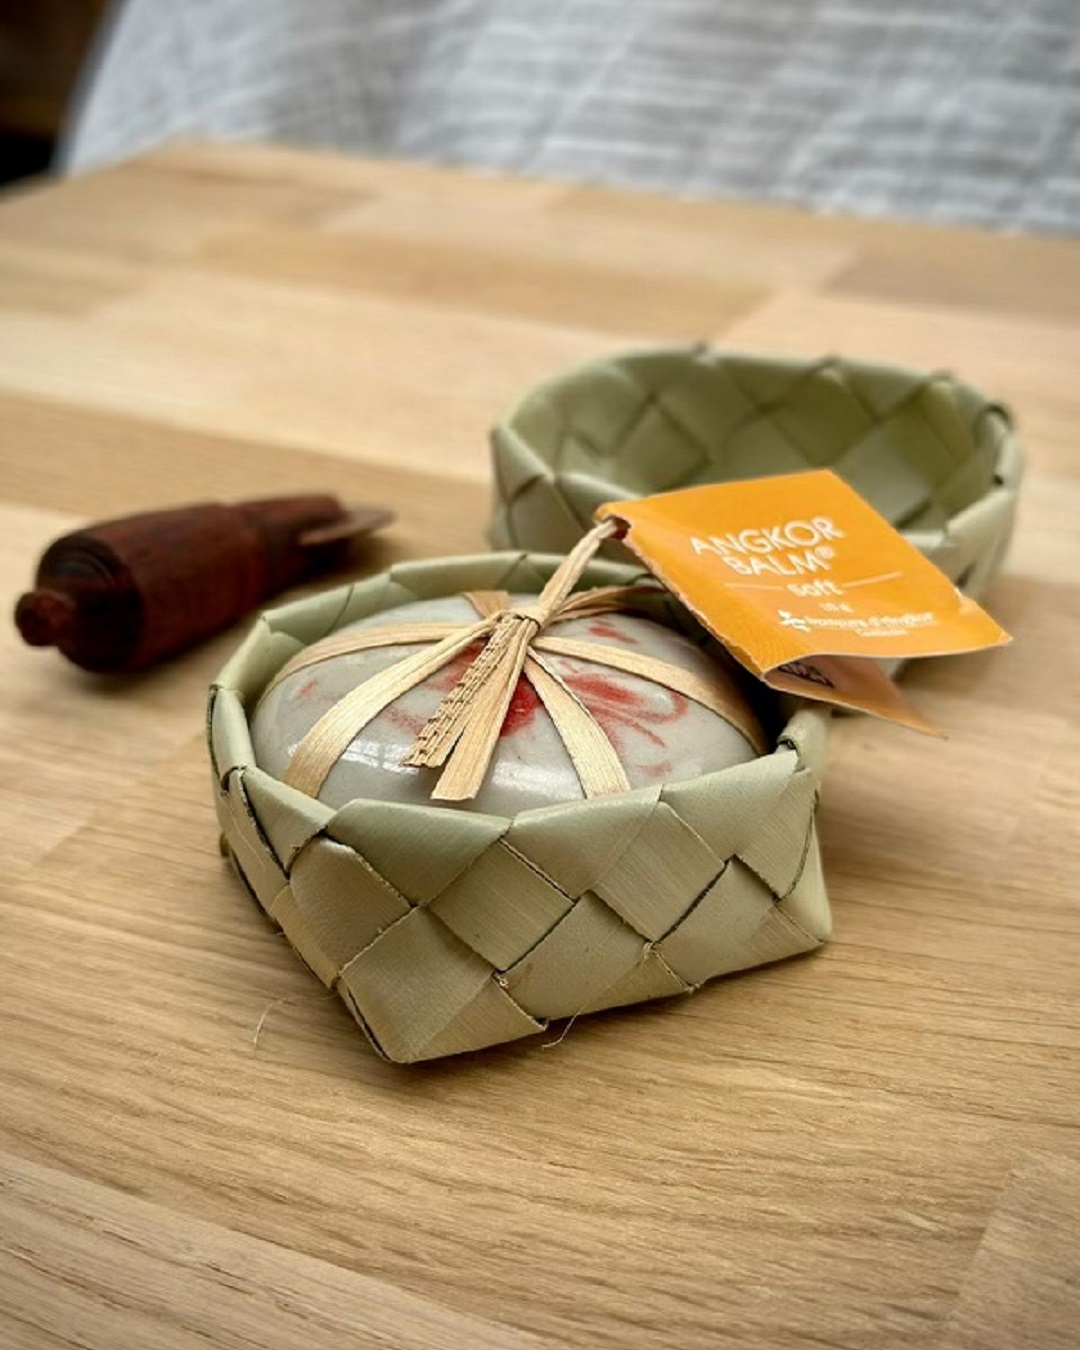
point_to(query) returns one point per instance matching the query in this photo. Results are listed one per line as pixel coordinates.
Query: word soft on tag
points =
(806, 585)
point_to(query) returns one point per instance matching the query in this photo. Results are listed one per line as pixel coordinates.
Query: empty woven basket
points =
(931, 454)
(445, 931)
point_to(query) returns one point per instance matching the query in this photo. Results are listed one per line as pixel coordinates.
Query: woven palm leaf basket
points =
(446, 930)
(929, 453)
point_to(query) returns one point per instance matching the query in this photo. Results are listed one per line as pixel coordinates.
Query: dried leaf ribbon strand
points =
(460, 736)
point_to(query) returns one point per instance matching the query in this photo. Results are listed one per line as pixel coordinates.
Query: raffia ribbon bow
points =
(461, 735)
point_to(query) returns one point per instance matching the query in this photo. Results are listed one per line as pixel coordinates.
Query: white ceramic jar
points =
(659, 735)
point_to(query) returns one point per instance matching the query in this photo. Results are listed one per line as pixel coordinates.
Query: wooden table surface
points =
(876, 1146)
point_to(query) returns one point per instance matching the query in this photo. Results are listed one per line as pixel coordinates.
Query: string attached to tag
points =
(515, 643)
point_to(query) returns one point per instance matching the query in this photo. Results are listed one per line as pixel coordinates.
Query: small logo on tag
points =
(805, 584)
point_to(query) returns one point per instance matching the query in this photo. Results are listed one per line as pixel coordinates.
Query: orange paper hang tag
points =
(806, 585)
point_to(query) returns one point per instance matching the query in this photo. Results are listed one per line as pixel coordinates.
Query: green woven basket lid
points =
(445, 931)
(933, 455)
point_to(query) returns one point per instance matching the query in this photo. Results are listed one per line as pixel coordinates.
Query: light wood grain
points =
(875, 1147)
(87, 1265)
(1023, 1290)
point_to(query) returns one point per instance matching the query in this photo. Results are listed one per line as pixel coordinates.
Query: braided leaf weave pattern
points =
(446, 931)
(931, 454)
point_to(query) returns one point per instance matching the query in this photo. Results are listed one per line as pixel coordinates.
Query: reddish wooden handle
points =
(123, 594)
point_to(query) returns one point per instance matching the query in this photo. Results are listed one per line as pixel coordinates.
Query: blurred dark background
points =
(43, 44)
